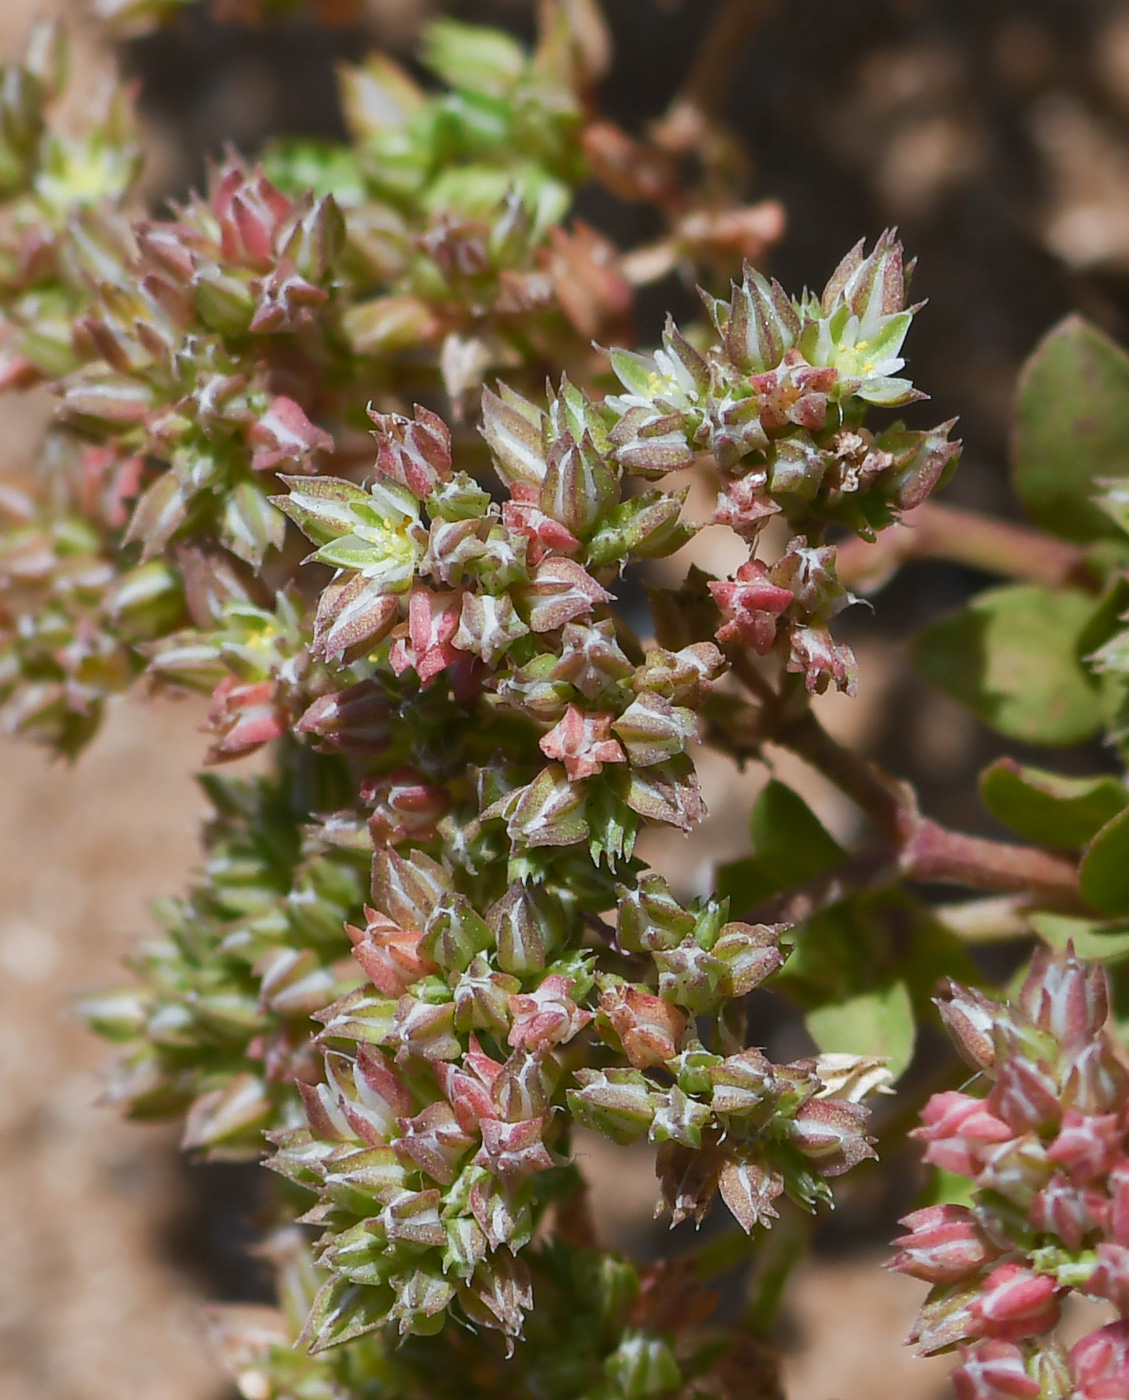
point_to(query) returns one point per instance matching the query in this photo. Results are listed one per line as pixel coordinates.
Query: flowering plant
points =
(426, 948)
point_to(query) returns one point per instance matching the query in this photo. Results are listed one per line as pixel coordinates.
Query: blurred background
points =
(997, 137)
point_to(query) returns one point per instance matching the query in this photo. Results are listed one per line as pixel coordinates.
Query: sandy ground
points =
(88, 1310)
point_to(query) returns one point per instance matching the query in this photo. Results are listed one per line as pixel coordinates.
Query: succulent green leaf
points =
(1103, 876)
(1012, 658)
(1107, 940)
(1050, 809)
(474, 58)
(1072, 428)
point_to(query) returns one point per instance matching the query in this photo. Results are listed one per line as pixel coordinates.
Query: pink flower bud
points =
(1018, 1169)
(1100, 1362)
(958, 1128)
(970, 1018)
(424, 1031)
(513, 1151)
(415, 454)
(1087, 1146)
(994, 1371)
(1025, 1094)
(546, 1016)
(354, 719)
(749, 1185)
(1110, 1278)
(591, 658)
(944, 1245)
(1066, 998)
(249, 210)
(389, 955)
(560, 591)
(244, 717)
(583, 742)
(814, 654)
(1014, 1303)
(649, 1028)
(467, 1093)
(1068, 1211)
(406, 808)
(545, 535)
(433, 620)
(353, 615)
(750, 604)
(1096, 1082)
(434, 1142)
(285, 435)
(829, 1133)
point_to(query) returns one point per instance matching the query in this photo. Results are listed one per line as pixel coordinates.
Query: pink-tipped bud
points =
(415, 454)
(970, 1019)
(244, 717)
(1068, 1211)
(513, 1151)
(1087, 1146)
(1100, 1362)
(944, 1245)
(750, 604)
(546, 1016)
(994, 1371)
(1097, 1082)
(354, 719)
(1065, 997)
(649, 1028)
(957, 1129)
(405, 807)
(1014, 1303)
(1025, 1094)
(583, 742)
(1110, 1278)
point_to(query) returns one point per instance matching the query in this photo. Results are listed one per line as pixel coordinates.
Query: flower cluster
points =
(780, 400)
(609, 1329)
(218, 1025)
(197, 356)
(1046, 1151)
(426, 949)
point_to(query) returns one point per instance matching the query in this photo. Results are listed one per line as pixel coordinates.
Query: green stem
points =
(782, 1249)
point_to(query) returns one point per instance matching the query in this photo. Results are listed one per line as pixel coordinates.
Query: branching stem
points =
(916, 847)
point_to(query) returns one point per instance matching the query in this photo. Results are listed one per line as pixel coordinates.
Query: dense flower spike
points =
(427, 949)
(1046, 1151)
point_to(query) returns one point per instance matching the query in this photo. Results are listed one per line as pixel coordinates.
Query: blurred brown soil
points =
(89, 1310)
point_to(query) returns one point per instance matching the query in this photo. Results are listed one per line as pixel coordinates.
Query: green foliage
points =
(880, 1023)
(1047, 808)
(1012, 657)
(1072, 428)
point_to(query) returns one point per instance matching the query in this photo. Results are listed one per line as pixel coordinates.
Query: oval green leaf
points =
(1011, 657)
(1047, 808)
(879, 1023)
(1072, 426)
(1103, 876)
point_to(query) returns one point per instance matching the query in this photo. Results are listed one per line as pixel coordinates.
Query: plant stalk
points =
(964, 537)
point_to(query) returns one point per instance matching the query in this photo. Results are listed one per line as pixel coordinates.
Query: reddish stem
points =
(932, 531)
(951, 857)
